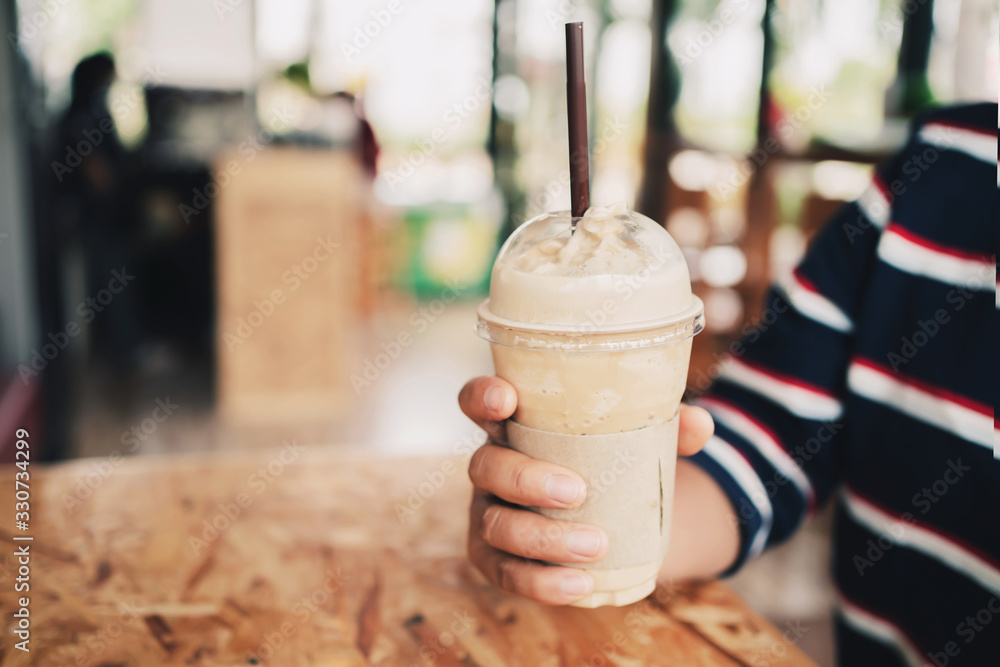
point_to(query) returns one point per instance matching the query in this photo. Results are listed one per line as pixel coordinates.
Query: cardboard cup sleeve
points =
(630, 488)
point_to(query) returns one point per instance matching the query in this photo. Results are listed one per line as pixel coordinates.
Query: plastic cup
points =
(593, 328)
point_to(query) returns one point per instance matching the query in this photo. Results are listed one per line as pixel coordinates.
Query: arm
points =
(778, 401)
(704, 538)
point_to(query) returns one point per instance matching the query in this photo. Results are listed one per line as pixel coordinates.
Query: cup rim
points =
(591, 337)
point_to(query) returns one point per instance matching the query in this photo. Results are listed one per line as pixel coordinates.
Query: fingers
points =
(696, 427)
(548, 584)
(523, 533)
(522, 480)
(488, 400)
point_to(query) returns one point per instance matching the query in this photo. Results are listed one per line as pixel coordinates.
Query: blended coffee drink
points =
(592, 326)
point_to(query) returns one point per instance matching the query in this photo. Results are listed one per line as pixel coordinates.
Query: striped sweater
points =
(870, 378)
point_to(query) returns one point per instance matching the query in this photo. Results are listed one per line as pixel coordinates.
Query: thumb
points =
(696, 428)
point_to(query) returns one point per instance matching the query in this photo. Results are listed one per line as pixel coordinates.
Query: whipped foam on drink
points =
(593, 328)
(615, 268)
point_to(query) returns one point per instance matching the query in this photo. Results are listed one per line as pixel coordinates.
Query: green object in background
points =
(446, 247)
(916, 94)
(298, 73)
(911, 89)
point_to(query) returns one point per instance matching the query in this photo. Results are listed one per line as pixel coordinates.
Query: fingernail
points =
(583, 542)
(494, 398)
(562, 489)
(574, 585)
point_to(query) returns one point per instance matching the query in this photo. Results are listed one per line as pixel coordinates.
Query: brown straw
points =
(576, 106)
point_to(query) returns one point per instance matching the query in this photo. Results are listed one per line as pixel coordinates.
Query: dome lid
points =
(618, 271)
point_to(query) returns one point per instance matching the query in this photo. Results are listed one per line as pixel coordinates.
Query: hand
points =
(506, 542)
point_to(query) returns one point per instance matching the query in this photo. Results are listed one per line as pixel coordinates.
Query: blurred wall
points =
(198, 43)
(17, 303)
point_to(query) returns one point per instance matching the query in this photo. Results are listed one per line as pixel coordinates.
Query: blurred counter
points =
(290, 239)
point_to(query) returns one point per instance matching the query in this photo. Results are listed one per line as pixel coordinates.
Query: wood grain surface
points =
(312, 556)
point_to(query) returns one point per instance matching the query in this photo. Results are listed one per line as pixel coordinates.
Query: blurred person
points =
(92, 192)
(875, 384)
(342, 122)
(363, 136)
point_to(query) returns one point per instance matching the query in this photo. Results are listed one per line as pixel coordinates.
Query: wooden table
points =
(305, 557)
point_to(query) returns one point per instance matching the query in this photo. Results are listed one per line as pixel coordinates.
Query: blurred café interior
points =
(284, 227)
